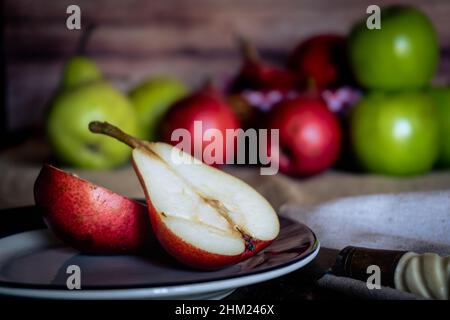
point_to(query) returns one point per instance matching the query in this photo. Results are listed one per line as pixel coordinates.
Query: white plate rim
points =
(163, 292)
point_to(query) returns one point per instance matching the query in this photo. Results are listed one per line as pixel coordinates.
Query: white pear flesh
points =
(204, 206)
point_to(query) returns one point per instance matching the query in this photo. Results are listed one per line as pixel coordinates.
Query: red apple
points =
(255, 74)
(90, 218)
(321, 60)
(203, 110)
(202, 216)
(310, 135)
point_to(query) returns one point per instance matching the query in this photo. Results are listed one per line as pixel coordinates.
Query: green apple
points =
(151, 99)
(441, 98)
(395, 134)
(403, 54)
(68, 119)
(79, 70)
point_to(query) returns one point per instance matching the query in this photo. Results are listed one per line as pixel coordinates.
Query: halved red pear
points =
(90, 218)
(201, 215)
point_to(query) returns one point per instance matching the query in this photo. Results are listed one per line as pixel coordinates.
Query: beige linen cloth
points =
(342, 208)
(416, 221)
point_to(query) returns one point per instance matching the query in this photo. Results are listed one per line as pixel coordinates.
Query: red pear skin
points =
(186, 253)
(91, 218)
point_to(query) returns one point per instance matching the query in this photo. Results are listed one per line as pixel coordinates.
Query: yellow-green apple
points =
(201, 215)
(91, 218)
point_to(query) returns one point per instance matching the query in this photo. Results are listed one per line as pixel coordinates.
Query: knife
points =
(415, 275)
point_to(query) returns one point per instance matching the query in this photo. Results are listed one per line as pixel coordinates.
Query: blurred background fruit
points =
(79, 70)
(255, 74)
(151, 100)
(310, 135)
(441, 98)
(403, 54)
(395, 134)
(321, 61)
(75, 106)
(209, 109)
(331, 61)
(244, 110)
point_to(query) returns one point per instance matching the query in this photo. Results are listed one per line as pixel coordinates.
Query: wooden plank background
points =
(190, 39)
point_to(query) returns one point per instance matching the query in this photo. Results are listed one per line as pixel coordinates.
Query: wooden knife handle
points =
(353, 262)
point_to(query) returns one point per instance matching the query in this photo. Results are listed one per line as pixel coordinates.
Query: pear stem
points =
(85, 36)
(248, 50)
(112, 131)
